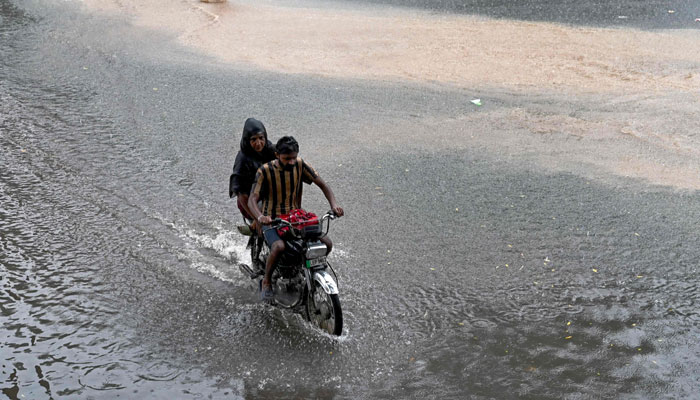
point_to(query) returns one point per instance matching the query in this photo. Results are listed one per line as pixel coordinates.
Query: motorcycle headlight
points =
(315, 250)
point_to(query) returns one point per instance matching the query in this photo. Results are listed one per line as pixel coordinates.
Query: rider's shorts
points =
(271, 235)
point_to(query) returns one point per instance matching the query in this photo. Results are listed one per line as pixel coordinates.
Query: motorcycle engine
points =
(287, 271)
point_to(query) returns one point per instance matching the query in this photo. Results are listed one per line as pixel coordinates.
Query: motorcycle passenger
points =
(255, 151)
(278, 185)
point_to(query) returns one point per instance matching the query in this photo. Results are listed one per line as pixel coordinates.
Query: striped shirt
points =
(280, 190)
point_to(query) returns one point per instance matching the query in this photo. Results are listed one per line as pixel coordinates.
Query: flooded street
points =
(543, 245)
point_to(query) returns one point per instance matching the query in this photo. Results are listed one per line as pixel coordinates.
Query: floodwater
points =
(481, 256)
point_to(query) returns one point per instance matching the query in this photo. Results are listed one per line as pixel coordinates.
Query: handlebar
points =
(278, 223)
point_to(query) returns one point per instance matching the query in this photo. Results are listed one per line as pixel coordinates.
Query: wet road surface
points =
(465, 272)
(675, 14)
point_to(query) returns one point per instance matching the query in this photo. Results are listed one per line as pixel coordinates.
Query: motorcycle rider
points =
(255, 151)
(278, 185)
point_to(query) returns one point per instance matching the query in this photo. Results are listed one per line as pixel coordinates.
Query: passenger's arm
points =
(244, 203)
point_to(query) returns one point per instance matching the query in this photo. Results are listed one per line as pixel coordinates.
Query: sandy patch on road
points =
(402, 44)
(643, 87)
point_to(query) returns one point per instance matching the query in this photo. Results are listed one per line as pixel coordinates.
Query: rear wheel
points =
(323, 310)
(258, 254)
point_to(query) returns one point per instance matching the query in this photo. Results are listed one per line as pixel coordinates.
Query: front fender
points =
(326, 281)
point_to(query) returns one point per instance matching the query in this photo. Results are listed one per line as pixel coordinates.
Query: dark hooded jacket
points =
(248, 160)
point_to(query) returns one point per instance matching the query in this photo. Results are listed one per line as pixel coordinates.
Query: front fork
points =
(307, 275)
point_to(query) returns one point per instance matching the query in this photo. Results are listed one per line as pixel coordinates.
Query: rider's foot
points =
(266, 294)
(245, 230)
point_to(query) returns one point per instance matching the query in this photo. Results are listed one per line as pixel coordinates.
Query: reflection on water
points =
(117, 253)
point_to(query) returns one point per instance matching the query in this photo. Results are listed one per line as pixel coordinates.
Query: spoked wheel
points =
(324, 311)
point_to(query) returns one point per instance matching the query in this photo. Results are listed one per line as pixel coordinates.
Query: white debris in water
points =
(338, 253)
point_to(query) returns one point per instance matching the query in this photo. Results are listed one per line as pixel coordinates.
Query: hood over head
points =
(251, 127)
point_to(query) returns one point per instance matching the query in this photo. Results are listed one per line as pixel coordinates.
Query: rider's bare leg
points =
(275, 250)
(329, 244)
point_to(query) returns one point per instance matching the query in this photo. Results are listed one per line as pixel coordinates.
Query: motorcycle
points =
(302, 279)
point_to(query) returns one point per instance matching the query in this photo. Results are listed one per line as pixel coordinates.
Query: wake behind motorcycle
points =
(302, 278)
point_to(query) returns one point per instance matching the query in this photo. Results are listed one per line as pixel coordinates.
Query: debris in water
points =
(460, 323)
(477, 102)
(432, 269)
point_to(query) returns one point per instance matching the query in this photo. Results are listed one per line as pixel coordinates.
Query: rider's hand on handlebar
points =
(338, 211)
(265, 220)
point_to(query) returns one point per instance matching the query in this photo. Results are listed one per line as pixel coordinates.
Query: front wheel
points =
(323, 310)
